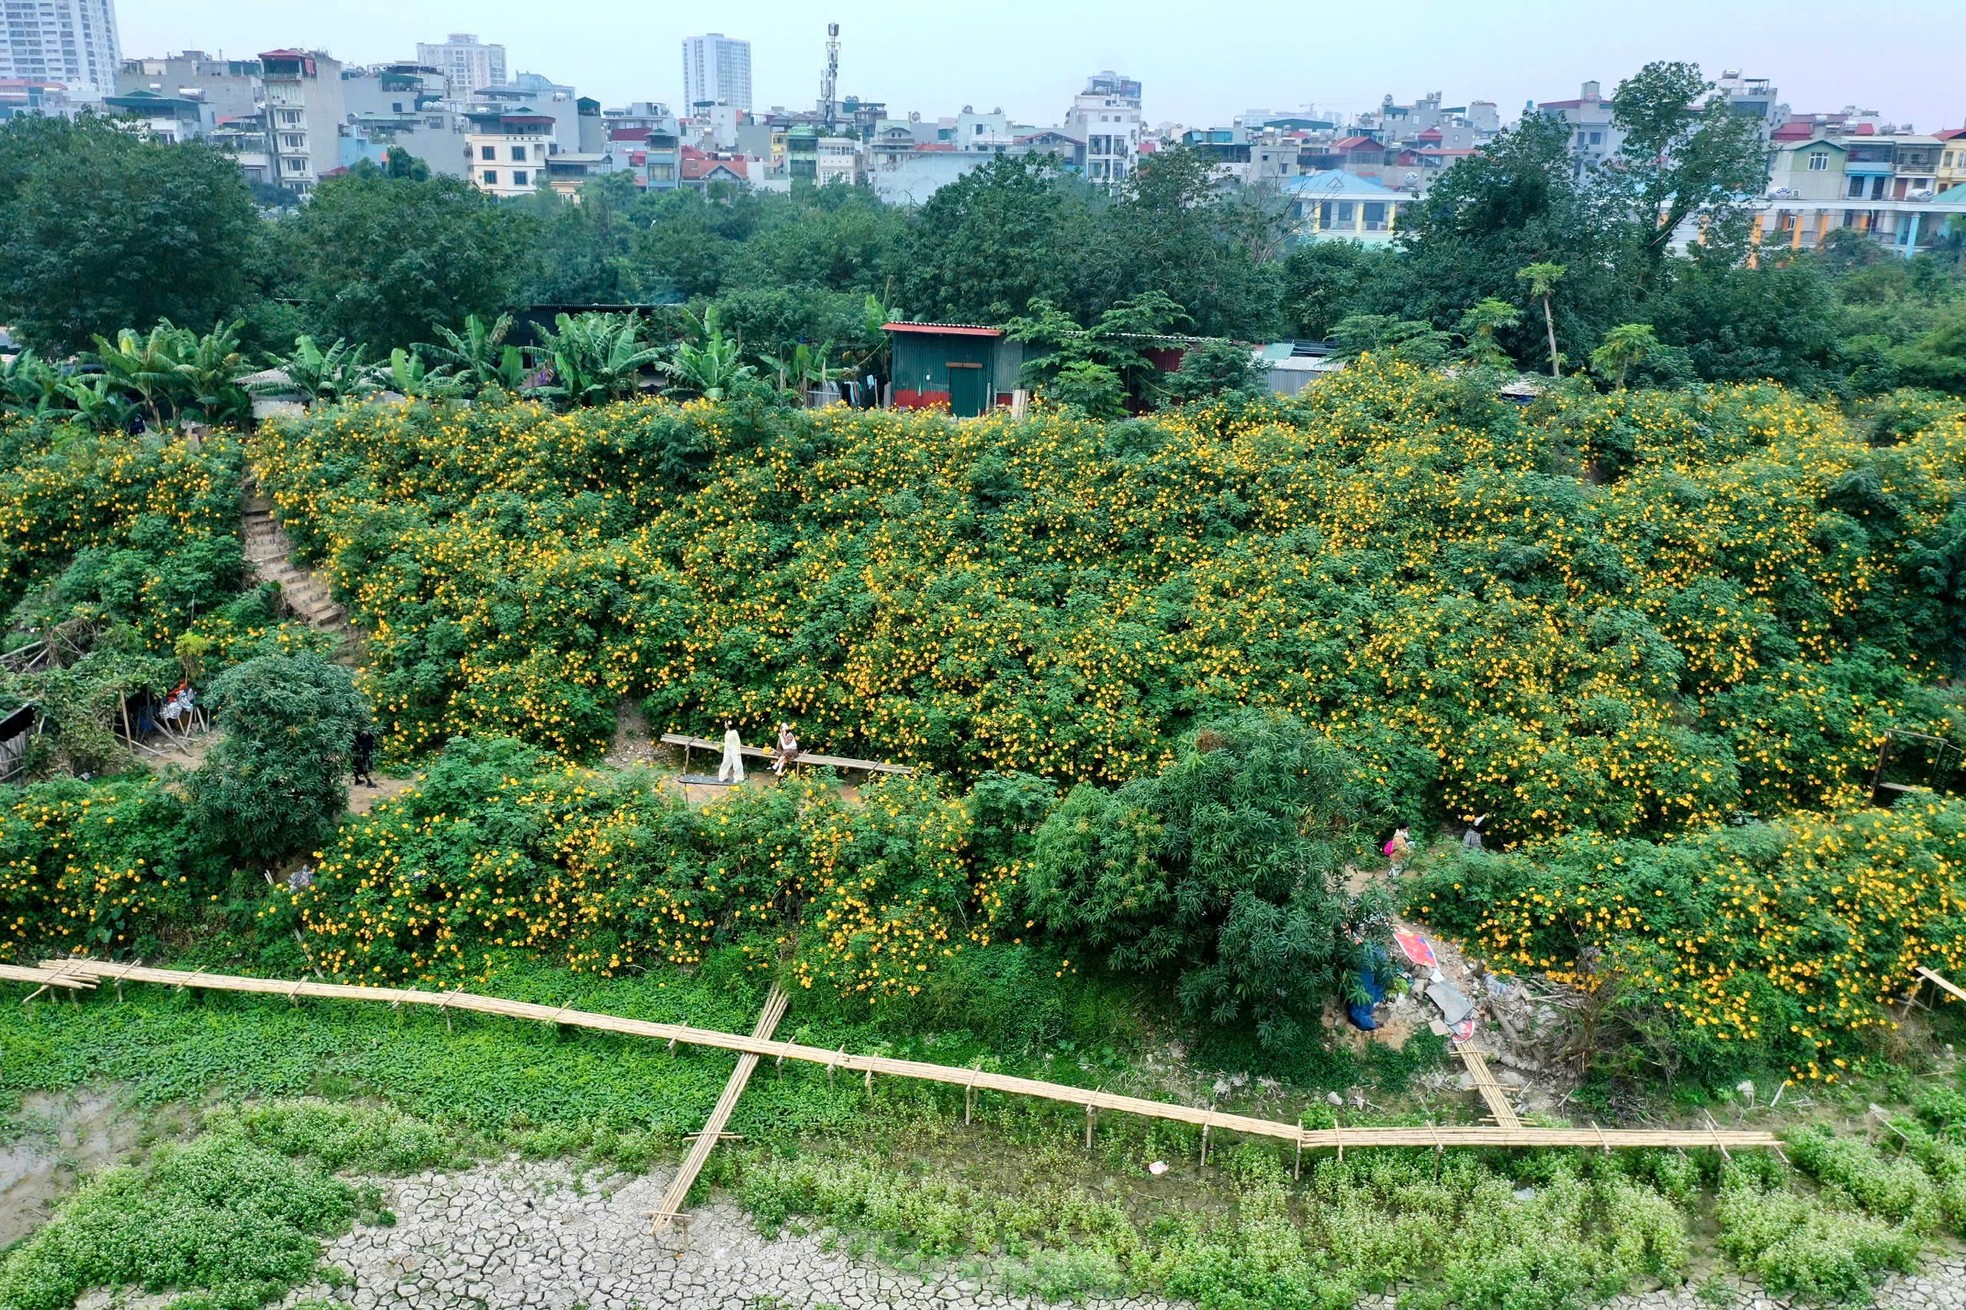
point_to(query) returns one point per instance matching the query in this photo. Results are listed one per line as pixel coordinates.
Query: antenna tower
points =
(829, 83)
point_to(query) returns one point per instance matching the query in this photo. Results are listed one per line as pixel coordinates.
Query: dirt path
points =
(62, 1137)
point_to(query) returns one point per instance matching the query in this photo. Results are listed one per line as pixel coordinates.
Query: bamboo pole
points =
(1479, 1135)
(706, 1141)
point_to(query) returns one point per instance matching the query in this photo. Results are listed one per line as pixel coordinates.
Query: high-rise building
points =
(72, 42)
(468, 65)
(716, 71)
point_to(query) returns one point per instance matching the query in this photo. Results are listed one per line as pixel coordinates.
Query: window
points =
(1856, 188)
(519, 177)
(1819, 161)
(491, 177)
(1375, 215)
(518, 154)
(296, 165)
(1597, 138)
(488, 153)
(1877, 187)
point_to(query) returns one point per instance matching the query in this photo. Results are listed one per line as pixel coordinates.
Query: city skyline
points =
(1193, 73)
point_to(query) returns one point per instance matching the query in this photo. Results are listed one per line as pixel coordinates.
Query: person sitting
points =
(788, 749)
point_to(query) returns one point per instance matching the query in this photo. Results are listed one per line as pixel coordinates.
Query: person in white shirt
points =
(788, 749)
(732, 769)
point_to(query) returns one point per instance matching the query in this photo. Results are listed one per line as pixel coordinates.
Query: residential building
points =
(911, 178)
(1914, 166)
(545, 96)
(1106, 116)
(700, 169)
(232, 87)
(508, 149)
(569, 171)
(26, 97)
(1340, 206)
(645, 139)
(468, 65)
(1595, 137)
(838, 161)
(70, 42)
(305, 112)
(163, 118)
(244, 137)
(1952, 159)
(1753, 97)
(716, 71)
(403, 88)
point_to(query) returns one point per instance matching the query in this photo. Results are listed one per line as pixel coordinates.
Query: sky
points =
(1201, 64)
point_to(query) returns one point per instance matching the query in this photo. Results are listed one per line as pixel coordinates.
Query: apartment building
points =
(69, 42)
(468, 64)
(716, 71)
(508, 150)
(1594, 135)
(305, 111)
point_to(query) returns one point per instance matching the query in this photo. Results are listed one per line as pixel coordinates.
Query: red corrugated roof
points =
(943, 329)
(628, 134)
(1352, 142)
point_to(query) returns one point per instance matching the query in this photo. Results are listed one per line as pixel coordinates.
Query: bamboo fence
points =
(67, 973)
(1484, 1081)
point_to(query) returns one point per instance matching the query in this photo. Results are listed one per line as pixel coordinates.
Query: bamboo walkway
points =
(1491, 1091)
(81, 973)
(713, 1128)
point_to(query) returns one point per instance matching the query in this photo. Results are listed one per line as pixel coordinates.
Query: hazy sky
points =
(1200, 62)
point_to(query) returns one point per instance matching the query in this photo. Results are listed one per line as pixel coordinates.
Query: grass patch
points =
(229, 1220)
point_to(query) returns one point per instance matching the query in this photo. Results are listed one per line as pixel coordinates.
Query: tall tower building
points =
(68, 41)
(716, 70)
(468, 65)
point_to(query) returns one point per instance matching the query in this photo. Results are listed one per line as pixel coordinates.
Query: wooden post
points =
(1089, 1112)
(1297, 1170)
(1204, 1144)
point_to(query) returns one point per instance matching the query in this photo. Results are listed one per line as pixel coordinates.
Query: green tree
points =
(1627, 346)
(276, 782)
(1222, 875)
(101, 230)
(385, 261)
(1478, 327)
(988, 244)
(1214, 368)
(1091, 388)
(1686, 155)
(594, 358)
(1542, 279)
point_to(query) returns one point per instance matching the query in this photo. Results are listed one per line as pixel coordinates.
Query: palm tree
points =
(595, 358)
(212, 369)
(1626, 347)
(804, 368)
(1542, 279)
(97, 401)
(711, 369)
(479, 357)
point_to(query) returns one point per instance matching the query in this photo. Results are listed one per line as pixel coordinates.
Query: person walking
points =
(362, 755)
(788, 749)
(732, 769)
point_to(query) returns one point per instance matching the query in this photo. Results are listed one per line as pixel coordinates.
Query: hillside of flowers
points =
(1638, 613)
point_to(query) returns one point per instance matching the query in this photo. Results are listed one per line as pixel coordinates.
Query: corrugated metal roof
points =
(943, 329)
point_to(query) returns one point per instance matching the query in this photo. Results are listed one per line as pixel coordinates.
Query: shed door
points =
(969, 392)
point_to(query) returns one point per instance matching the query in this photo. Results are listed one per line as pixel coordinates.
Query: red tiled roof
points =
(628, 134)
(1352, 142)
(1865, 129)
(1431, 134)
(1559, 104)
(935, 145)
(1951, 134)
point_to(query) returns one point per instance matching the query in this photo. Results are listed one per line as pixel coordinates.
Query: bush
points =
(277, 781)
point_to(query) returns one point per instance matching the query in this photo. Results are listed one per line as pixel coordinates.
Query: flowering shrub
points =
(1773, 944)
(1632, 613)
(499, 850)
(97, 868)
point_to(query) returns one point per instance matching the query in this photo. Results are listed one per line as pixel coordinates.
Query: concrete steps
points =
(269, 555)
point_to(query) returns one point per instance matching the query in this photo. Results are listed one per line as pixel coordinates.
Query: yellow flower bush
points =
(1634, 613)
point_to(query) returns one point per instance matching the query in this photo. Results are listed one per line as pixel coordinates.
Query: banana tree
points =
(410, 376)
(804, 368)
(478, 356)
(30, 385)
(152, 367)
(212, 369)
(341, 372)
(709, 369)
(594, 358)
(98, 401)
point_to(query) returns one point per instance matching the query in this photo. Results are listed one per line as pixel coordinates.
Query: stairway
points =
(269, 554)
